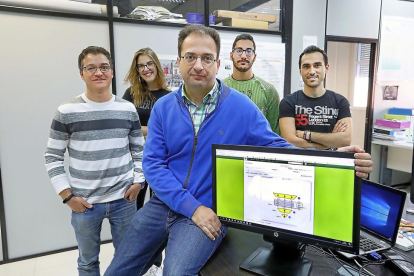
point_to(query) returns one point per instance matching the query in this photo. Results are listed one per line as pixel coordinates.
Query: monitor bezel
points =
(402, 203)
(283, 234)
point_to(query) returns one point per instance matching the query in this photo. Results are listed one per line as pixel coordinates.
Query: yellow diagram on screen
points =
(286, 204)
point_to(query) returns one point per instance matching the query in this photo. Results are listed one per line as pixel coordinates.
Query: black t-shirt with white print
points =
(315, 114)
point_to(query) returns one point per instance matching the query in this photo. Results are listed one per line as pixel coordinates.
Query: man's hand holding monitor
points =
(293, 197)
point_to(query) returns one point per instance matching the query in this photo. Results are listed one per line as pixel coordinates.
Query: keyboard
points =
(368, 245)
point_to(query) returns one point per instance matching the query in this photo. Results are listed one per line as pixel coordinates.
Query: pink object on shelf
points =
(393, 124)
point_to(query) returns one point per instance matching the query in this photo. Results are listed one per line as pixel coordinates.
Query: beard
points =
(243, 69)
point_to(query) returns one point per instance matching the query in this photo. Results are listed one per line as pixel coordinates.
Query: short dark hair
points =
(312, 49)
(244, 37)
(199, 30)
(94, 50)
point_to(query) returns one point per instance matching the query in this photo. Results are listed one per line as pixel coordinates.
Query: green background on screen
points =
(333, 205)
(230, 189)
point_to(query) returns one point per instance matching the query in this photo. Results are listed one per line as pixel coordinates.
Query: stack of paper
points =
(153, 13)
(84, 1)
(390, 134)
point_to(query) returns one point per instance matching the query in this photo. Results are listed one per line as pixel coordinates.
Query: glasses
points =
(239, 51)
(92, 70)
(150, 65)
(192, 58)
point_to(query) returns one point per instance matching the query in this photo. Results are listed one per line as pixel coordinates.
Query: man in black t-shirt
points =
(315, 117)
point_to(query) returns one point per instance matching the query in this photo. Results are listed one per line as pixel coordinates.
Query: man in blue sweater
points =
(177, 162)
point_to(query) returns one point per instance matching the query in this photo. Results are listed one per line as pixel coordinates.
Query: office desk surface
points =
(403, 145)
(399, 156)
(239, 244)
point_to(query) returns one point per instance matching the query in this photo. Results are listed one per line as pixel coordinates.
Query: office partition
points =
(39, 56)
(353, 18)
(308, 21)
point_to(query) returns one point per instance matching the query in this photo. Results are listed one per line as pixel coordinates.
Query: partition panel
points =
(39, 57)
(354, 18)
(308, 20)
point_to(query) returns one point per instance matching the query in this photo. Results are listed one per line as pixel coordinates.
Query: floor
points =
(60, 264)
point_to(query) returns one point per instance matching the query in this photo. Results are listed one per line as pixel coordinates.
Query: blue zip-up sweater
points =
(173, 152)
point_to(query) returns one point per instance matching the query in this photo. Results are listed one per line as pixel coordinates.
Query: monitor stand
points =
(282, 259)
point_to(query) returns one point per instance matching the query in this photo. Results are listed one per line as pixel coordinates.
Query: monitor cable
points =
(322, 252)
(343, 263)
(336, 258)
(358, 264)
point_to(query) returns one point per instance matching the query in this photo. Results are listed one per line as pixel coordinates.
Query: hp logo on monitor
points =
(276, 234)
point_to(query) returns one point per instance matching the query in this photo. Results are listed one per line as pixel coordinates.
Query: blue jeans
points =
(88, 225)
(154, 227)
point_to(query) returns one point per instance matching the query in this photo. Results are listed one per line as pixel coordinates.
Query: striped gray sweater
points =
(105, 145)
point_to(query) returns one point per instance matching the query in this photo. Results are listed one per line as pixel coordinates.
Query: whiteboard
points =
(396, 57)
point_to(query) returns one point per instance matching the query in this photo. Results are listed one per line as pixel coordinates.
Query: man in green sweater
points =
(262, 93)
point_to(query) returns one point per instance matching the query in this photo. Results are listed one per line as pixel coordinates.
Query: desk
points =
(391, 156)
(239, 244)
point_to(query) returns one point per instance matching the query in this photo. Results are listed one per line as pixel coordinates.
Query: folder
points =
(401, 111)
(393, 123)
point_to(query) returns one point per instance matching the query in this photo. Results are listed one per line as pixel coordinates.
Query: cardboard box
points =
(244, 23)
(245, 15)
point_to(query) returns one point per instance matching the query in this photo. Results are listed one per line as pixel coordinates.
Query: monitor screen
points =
(381, 209)
(297, 195)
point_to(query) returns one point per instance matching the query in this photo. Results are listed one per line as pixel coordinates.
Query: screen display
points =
(380, 209)
(298, 194)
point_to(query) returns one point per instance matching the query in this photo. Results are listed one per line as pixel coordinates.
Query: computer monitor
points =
(293, 197)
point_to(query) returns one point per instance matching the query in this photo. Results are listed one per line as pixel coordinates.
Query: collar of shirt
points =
(210, 95)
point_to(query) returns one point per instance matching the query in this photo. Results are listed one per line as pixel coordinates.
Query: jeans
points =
(88, 225)
(154, 227)
(140, 202)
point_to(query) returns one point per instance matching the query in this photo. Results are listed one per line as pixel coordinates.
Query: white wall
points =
(340, 79)
(353, 18)
(308, 20)
(39, 71)
(338, 75)
(406, 88)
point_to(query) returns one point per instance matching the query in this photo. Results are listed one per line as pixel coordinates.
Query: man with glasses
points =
(103, 136)
(177, 162)
(262, 93)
